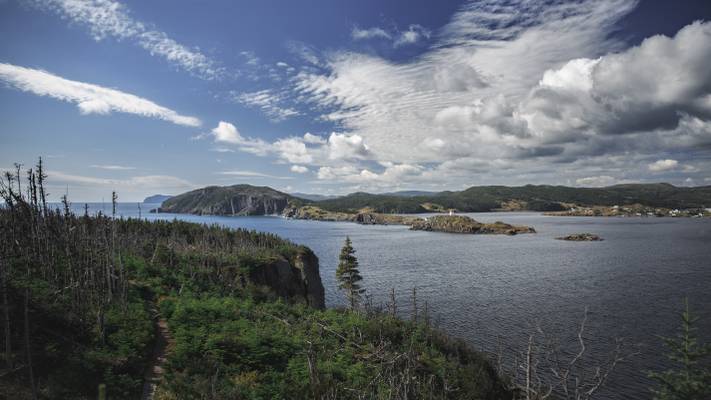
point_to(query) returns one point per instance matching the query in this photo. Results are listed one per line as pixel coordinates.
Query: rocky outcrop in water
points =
(581, 237)
(463, 224)
(228, 200)
(294, 279)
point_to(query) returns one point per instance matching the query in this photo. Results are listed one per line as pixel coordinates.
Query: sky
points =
(164, 96)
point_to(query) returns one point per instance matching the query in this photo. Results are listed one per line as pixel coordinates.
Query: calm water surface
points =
(493, 290)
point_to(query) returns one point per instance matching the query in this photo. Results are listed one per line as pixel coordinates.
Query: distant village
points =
(634, 210)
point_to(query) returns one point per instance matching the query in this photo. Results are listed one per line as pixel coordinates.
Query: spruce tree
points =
(348, 275)
(691, 380)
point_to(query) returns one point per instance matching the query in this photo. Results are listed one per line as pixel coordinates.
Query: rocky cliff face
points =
(228, 200)
(296, 279)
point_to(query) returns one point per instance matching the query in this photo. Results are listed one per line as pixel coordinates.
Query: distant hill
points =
(313, 197)
(529, 197)
(156, 198)
(410, 193)
(229, 200)
(254, 200)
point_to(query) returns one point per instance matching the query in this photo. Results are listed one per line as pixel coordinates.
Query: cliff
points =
(295, 279)
(229, 200)
(463, 224)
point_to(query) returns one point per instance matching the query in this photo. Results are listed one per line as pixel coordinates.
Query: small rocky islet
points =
(581, 237)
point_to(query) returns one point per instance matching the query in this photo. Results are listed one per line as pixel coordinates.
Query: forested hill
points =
(229, 200)
(529, 197)
(259, 200)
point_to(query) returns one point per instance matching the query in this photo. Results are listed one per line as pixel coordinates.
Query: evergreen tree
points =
(692, 381)
(348, 275)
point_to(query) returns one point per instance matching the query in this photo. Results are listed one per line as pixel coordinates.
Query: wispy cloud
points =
(413, 34)
(113, 167)
(109, 18)
(86, 188)
(370, 33)
(91, 99)
(268, 101)
(252, 174)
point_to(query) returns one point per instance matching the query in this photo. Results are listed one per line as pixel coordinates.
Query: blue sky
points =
(335, 97)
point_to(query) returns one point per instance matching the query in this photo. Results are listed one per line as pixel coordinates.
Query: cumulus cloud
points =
(313, 139)
(109, 18)
(663, 165)
(342, 146)
(91, 99)
(299, 169)
(227, 133)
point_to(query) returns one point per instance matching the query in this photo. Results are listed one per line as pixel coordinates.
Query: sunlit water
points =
(493, 290)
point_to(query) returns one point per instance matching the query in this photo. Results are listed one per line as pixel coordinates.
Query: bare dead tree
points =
(546, 372)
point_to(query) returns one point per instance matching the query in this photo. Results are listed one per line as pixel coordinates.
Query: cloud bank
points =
(522, 92)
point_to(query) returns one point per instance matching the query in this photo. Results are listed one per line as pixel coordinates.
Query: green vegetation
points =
(84, 299)
(529, 197)
(253, 200)
(692, 379)
(348, 275)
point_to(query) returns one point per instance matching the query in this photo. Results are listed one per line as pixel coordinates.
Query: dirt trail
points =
(154, 372)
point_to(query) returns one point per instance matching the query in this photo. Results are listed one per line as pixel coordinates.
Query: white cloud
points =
(109, 18)
(313, 139)
(88, 97)
(252, 174)
(342, 146)
(370, 33)
(113, 167)
(412, 35)
(299, 169)
(293, 150)
(227, 133)
(663, 165)
(269, 102)
(596, 181)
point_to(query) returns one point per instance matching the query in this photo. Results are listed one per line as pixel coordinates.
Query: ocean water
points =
(495, 290)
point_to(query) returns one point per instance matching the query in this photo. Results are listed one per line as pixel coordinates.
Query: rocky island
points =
(464, 224)
(438, 223)
(581, 237)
